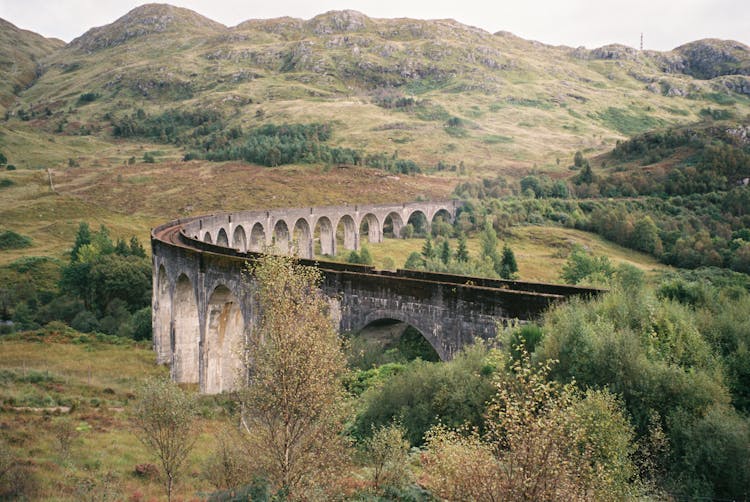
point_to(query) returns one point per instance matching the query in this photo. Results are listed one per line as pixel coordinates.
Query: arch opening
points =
(207, 238)
(302, 239)
(239, 239)
(257, 238)
(369, 228)
(418, 221)
(387, 340)
(222, 239)
(393, 226)
(225, 330)
(186, 333)
(346, 232)
(281, 238)
(162, 318)
(441, 223)
(323, 238)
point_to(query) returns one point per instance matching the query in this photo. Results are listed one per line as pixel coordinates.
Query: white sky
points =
(665, 23)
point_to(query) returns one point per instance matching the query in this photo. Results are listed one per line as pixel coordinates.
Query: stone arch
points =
(281, 237)
(186, 336)
(257, 238)
(239, 239)
(346, 232)
(425, 328)
(438, 226)
(324, 238)
(370, 226)
(302, 238)
(207, 238)
(225, 330)
(222, 239)
(418, 220)
(392, 225)
(162, 318)
(443, 213)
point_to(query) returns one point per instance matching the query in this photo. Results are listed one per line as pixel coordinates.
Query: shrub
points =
(425, 394)
(12, 240)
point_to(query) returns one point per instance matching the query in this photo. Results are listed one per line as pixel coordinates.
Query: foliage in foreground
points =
(675, 369)
(542, 441)
(165, 420)
(293, 405)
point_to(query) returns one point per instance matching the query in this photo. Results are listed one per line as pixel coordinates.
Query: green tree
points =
(428, 251)
(508, 265)
(462, 252)
(578, 159)
(83, 237)
(293, 404)
(3, 159)
(645, 237)
(488, 241)
(415, 261)
(445, 252)
(582, 266)
(136, 248)
(388, 450)
(165, 420)
(365, 258)
(586, 176)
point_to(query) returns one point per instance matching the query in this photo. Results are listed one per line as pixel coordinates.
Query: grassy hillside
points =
(21, 53)
(48, 389)
(435, 91)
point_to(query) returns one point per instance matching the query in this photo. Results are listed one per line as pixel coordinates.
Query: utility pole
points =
(641, 41)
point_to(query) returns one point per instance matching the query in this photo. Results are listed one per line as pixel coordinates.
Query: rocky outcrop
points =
(711, 58)
(142, 21)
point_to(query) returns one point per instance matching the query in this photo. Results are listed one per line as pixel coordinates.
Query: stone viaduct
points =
(203, 305)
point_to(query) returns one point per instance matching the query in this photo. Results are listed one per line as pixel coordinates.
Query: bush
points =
(425, 394)
(12, 240)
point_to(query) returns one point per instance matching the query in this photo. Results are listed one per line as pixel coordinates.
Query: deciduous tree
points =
(165, 421)
(293, 405)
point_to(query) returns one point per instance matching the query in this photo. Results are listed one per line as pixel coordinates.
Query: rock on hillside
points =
(711, 58)
(142, 21)
(20, 53)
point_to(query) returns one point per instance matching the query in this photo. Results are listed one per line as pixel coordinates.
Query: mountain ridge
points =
(435, 91)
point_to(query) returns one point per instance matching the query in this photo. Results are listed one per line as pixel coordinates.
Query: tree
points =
(83, 237)
(586, 176)
(508, 265)
(645, 237)
(582, 266)
(541, 442)
(388, 450)
(165, 421)
(3, 159)
(488, 241)
(445, 252)
(293, 406)
(462, 253)
(578, 159)
(428, 252)
(414, 261)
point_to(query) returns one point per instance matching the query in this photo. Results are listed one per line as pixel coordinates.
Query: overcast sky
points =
(665, 24)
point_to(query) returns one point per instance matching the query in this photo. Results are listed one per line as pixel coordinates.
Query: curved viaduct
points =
(203, 309)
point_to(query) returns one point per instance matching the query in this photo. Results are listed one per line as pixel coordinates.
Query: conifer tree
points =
(508, 265)
(462, 253)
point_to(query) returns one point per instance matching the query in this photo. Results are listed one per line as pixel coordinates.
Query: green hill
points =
(437, 92)
(21, 53)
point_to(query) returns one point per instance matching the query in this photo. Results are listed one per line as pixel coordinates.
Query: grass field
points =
(540, 251)
(59, 376)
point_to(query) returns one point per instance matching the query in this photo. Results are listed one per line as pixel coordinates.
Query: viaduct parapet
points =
(202, 301)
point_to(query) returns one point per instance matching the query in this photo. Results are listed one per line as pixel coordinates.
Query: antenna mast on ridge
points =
(641, 41)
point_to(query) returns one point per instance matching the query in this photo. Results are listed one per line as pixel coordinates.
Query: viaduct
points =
(203, 306)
